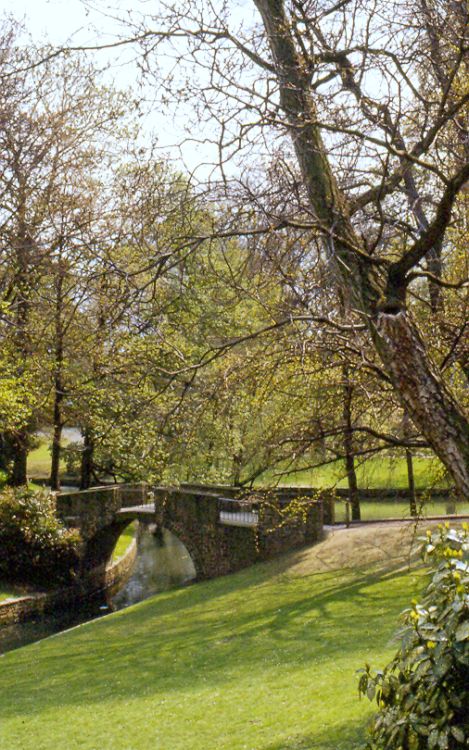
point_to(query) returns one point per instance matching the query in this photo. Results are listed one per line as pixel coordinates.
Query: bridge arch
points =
(98, 548)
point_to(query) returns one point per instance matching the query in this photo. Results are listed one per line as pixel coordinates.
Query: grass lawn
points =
(39, 461)
(375, 473)
(261, 660)
(373, 511)
(124, 541)
(8, 591)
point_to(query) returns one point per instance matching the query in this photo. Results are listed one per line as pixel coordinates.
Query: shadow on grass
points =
(213, 633)
(347, 736)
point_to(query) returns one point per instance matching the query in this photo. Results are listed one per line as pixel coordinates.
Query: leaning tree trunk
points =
(422, 391)
(424, 395)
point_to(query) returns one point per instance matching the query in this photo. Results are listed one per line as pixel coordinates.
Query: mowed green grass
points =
(9, 591)
(39, 461)
(376, 473)
(124, 541)
(375, 511)
(262, 660)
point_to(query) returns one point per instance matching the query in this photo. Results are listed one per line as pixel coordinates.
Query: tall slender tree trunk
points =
(353, 495)
(410, 469)
(58, 420)
(237, 466)
(87, 460)
(56, 444)
(24, 270)
(18, 472)
(421, 389)
(411, 482)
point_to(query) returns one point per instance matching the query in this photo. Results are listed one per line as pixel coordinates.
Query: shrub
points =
(35, 547)
(423, 694)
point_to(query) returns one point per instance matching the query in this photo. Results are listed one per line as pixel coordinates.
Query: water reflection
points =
(162, 563)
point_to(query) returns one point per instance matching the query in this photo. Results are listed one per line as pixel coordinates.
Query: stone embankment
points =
(35, 605)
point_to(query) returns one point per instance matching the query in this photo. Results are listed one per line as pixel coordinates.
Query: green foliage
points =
(423, 694)
(36, 548)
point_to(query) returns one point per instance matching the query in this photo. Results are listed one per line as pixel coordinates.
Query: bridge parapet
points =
(90, 510)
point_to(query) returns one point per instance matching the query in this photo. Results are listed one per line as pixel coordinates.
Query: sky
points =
(55, 19)
(69, 23)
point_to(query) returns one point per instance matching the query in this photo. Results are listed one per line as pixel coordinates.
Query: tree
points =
(348, 84)
(54, 119)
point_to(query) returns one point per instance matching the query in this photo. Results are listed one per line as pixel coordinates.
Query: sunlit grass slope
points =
(261, 660)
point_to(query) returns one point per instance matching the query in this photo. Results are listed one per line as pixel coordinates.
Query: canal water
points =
(162, 563)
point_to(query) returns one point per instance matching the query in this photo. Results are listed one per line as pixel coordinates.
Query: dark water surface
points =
(162, 563)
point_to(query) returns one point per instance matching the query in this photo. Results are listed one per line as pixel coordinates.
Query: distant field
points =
(376, 473)
(373, 511)
(39, 462)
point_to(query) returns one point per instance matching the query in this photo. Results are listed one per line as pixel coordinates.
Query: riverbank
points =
(264, 659)
(23, 608)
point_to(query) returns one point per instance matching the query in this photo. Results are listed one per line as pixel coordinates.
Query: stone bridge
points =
(223, 531)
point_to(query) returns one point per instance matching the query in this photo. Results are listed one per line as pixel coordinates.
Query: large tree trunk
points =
(428, 401)
(424, 395)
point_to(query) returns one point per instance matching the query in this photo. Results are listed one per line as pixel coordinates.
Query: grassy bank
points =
(261, 660)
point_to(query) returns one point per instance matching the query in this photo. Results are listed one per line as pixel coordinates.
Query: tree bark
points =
(58, 382)
(18, 471)
(87, 460)
(422, 391)
(424, 395)
(353, 496)
(410, 469)
(56, 446)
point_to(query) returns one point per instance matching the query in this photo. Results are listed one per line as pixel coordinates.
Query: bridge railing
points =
(136, 495)
(238, 512)
(127, 495)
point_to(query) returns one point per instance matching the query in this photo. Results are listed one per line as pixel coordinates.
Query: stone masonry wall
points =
(193, 515)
